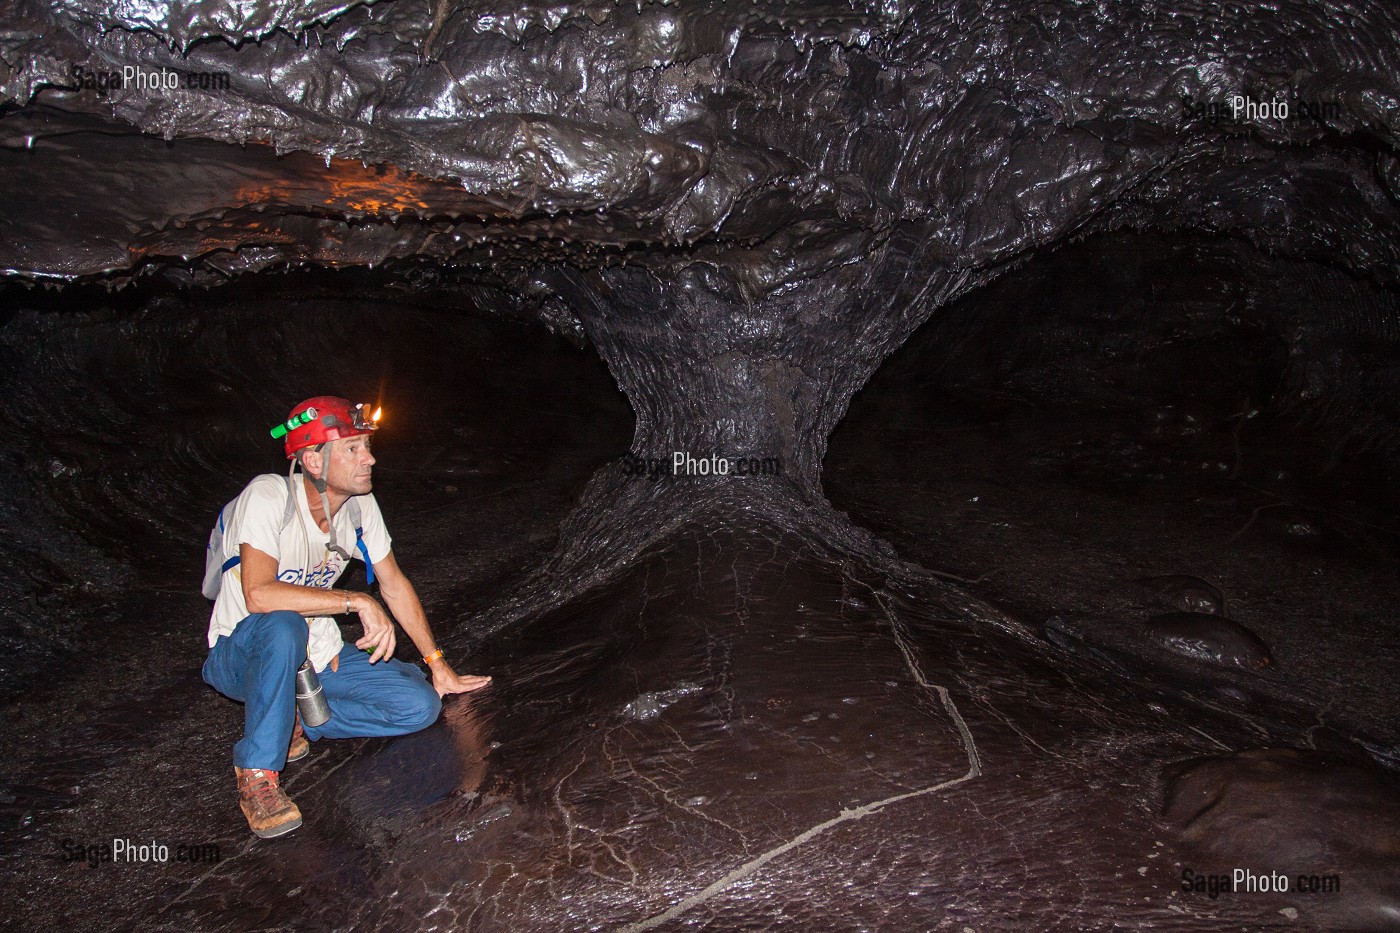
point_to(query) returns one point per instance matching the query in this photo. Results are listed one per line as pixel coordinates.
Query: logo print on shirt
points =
(322, 575)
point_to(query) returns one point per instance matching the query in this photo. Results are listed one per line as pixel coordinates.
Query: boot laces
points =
(263, 787)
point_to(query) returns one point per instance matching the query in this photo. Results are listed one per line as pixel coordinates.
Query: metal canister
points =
(311, 699)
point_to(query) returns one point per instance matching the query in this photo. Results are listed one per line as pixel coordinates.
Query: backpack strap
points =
(354, 506)
(287, 512)
(290, 509)
(232, 561)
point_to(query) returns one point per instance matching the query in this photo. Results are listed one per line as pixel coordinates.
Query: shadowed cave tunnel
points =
(1063, 338)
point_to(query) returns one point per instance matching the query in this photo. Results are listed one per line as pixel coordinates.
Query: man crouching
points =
(284, 544)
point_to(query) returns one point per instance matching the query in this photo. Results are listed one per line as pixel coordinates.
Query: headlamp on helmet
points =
(363, 420)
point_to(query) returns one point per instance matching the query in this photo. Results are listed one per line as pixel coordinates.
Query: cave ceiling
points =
(765, 143)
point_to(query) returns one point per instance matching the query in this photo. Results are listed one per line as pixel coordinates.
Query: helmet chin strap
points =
(320, 483)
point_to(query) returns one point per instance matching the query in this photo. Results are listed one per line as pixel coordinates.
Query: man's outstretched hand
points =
(446, 681)
(380, 641)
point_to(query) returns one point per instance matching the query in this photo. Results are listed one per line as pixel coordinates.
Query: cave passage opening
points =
(1142, 404)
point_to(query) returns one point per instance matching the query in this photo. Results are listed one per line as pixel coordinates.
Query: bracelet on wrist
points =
(433, 657)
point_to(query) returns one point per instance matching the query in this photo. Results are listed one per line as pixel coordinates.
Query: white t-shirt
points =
(302, 551)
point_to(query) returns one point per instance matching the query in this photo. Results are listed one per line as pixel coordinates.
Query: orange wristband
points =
(433, 657)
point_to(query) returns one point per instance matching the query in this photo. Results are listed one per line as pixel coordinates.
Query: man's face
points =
(348, 465)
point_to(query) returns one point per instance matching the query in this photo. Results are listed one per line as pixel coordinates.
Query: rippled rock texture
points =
(719, 700)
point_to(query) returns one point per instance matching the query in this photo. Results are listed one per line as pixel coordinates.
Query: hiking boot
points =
(300, 747)
(269, 811)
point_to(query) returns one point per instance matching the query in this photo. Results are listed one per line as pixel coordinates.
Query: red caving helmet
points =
(335, 418)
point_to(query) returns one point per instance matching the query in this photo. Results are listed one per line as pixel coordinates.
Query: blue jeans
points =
(257, 666)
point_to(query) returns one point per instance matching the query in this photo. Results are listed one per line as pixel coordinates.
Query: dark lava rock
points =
(1301, 815)
(1209, 638)
(1186, 593)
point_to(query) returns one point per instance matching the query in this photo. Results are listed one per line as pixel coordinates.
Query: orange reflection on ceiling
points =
(347, 186)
